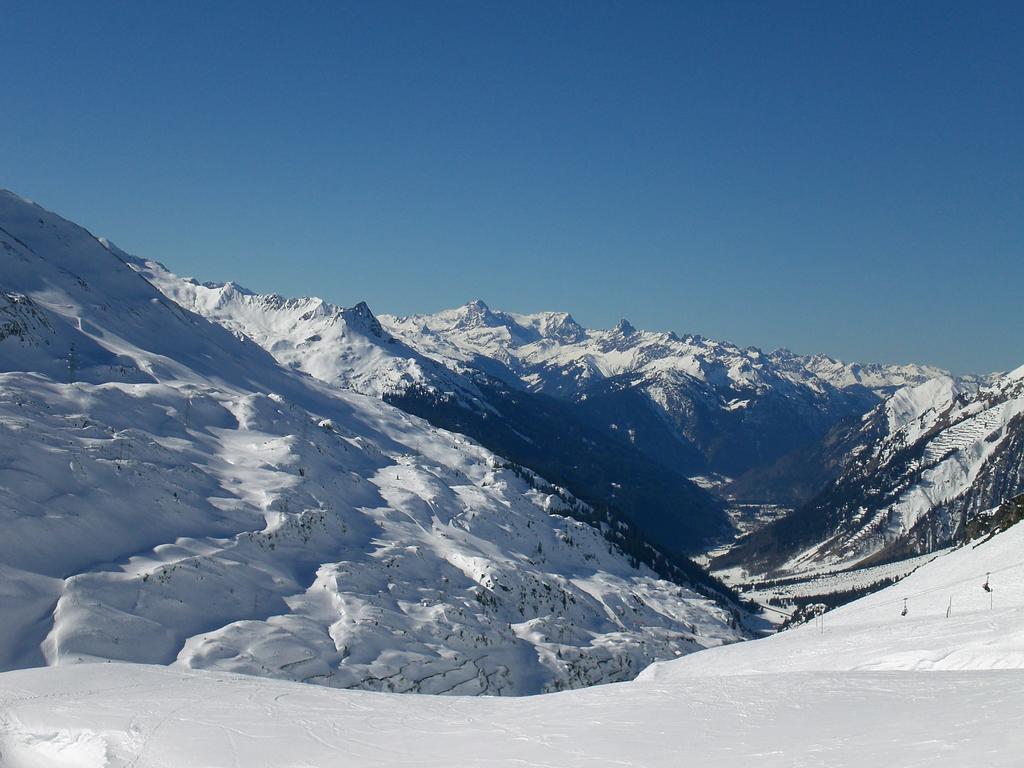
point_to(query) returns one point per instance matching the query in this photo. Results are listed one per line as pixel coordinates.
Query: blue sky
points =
(837, 177)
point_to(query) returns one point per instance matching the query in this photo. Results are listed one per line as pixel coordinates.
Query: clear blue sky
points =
(827, 176)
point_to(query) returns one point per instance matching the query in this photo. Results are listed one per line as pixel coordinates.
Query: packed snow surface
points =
(868, 686)
(984, 629)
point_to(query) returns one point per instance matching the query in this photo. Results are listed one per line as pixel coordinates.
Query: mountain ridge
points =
(713, 395)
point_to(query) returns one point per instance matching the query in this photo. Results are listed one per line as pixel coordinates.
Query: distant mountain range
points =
(729, 408)
(621, 417)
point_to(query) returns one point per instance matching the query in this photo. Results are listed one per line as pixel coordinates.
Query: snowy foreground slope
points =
(170, 494)
(864, 689)
(984, 630)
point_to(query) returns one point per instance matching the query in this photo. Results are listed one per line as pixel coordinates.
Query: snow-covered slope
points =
(739, 407)
(864, 686)
(173, 495)
(920, 464)
(983, 631)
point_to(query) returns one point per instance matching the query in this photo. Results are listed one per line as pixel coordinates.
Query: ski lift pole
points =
(819, 616)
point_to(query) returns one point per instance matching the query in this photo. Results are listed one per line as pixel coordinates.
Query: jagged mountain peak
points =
(343, 346)
(624, 328)
(474, 314)
(361, 316)
(229, 287)
(552, 327)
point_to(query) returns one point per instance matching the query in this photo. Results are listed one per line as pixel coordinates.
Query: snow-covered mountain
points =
(916, 469)
(866, 684)
(620, 417)
(172, 494)
(734, 408)
(349, 348)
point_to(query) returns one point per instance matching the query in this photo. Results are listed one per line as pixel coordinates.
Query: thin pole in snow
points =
(819, 617)
(949, 607)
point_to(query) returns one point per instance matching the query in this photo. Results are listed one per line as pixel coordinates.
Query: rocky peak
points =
(361, 318)
(624, 327)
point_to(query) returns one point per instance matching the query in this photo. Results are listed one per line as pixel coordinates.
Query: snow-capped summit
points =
(361, 316)
(556, 327)
(475, 314)
(624, 328)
